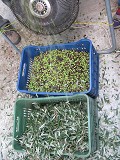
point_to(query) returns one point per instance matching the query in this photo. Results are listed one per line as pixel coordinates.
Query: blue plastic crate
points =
(30, 52)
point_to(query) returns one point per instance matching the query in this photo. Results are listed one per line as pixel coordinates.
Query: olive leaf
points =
(56, 130)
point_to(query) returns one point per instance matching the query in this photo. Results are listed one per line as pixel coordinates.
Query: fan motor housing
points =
(40, 8)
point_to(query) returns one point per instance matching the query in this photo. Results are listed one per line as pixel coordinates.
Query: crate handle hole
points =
(24, 69)
(17, 124)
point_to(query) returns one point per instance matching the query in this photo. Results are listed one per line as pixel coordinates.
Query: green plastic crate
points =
(24, 106)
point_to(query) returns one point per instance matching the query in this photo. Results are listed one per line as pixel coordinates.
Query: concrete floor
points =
(109, 93)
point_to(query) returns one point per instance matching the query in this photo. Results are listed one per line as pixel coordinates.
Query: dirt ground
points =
(109, 86)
